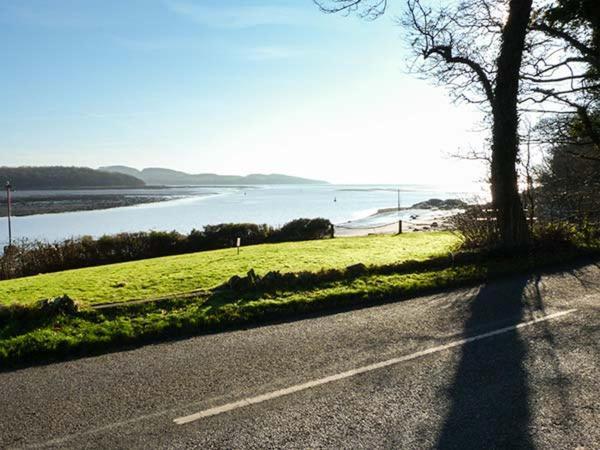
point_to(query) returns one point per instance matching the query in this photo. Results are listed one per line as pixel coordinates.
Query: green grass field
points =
(183, 273)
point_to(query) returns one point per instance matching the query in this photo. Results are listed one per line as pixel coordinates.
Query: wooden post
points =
(238, 243)
(8, 208)
(399, 219)
(332, 231)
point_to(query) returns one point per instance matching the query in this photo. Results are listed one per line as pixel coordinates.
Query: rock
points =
(252, 278)
(436, 203)
(434, 225)
(272, 279)
(356, 269)
(290, 279)
(59, 305)
(5, 312)
(250, 281)
(236, 283)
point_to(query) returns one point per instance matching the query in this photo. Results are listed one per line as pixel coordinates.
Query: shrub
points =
(553, 234)
(225, 234)
(477, 227)
(303, 230)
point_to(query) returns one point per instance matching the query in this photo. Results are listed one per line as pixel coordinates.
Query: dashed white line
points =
(350, 373)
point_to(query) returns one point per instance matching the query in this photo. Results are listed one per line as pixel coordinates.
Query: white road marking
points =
(350, 373)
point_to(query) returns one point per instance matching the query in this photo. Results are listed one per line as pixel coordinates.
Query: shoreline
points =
(59, 216)
(435, 223)
(57, 204)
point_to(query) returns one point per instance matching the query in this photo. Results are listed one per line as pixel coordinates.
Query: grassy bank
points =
(29, 337)
(166, 276)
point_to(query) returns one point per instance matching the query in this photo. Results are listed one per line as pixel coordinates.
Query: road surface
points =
(511, 364)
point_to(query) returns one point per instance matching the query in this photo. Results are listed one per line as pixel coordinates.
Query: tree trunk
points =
(511, 221)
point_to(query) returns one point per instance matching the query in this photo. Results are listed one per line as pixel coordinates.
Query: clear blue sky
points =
(231, 87)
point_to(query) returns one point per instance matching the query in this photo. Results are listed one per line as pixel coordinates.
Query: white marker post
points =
(238, 243)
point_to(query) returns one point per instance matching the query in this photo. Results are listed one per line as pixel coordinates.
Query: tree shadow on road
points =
(489, 395)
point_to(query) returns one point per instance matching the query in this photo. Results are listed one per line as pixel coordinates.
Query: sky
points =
(224, 86)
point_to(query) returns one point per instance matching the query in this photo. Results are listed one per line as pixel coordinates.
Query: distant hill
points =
(58, 177)
(159, 176)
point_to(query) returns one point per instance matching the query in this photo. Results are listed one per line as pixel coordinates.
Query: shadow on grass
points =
(489, 394)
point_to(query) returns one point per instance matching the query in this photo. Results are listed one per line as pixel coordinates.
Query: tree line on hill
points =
(161, 176)
(58, 177)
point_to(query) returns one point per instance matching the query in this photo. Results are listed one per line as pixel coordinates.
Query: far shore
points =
(54, 204)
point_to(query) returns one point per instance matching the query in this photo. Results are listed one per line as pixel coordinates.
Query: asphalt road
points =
(448, 379)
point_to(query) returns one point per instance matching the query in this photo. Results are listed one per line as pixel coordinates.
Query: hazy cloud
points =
(238, 16)
(163, 43)
(48, 17)
(264, 53)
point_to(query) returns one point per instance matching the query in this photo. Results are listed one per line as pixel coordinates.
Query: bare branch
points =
(371, 9)
(446, 53)
(587, 51)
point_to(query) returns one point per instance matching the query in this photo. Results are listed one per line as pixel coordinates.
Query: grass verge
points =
(41, 339)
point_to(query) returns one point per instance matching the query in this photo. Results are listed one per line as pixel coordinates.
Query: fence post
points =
(8, 212)
(332, 231)
(399, 227)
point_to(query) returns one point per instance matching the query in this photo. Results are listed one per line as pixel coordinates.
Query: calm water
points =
(273, 205)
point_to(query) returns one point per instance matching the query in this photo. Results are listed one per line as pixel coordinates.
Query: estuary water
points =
(195, 207)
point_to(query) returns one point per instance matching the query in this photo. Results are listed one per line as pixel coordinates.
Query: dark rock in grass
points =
(250, 281)
(252, 278)
(57, 306)
(5, 313)
(287, 280)
(237, 283)
(272, 279)
(356, 270)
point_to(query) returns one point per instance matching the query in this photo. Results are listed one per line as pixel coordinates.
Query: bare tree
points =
(505, 138)
(476, 48)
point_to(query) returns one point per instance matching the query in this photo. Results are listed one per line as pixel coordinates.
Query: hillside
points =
(57, 177)
(160, 176)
